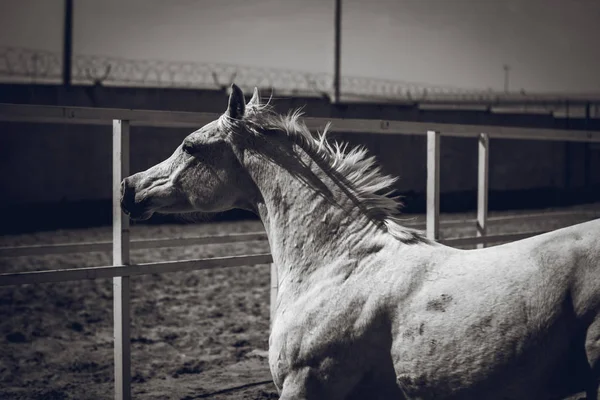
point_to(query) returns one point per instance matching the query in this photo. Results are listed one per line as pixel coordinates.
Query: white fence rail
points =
(140, 244)
(113, 271)
(182, 119)
(121, 269)
(86, 247)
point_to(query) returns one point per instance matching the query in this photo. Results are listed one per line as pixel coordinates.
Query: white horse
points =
(368, 309)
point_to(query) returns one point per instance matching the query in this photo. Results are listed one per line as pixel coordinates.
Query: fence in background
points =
(21, 65)
(42, 66)
(122, 269)
(137, 244)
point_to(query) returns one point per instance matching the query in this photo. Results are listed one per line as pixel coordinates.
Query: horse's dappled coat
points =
(368, 308)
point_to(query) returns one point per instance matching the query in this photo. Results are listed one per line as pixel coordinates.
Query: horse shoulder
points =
(331, 333)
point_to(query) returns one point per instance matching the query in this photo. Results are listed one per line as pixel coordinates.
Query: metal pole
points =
(587, 171)
(506, 69)
(433, 185)
(121, 295)
(337, 55)
(68, 43)
(482, 186)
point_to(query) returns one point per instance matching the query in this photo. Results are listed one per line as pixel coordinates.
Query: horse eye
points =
(187, 147)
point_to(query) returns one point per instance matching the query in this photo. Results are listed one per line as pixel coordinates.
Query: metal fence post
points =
(482, 186)
(121, 304)
(433, 185)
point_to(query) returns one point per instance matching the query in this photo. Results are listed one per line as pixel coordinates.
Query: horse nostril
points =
(122, 189)
(127, 195)
(131, 204)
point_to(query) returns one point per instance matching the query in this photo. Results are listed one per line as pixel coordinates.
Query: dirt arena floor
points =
(201, 334)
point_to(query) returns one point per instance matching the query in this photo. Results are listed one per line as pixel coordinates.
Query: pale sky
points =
(551, 45)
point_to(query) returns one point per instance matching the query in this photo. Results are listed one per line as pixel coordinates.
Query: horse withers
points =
(367, 308)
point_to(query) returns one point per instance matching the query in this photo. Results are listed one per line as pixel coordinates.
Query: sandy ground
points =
(201, 334)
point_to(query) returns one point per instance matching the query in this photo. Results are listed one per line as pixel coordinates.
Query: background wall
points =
(65, 169)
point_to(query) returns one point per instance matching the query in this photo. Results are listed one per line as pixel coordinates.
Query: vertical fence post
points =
(274, 290)
(482, 186)
(121, 305)
(337, 51)
(433, 185)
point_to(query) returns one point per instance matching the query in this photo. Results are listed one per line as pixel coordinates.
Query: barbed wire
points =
(40, 66)
(20, 64)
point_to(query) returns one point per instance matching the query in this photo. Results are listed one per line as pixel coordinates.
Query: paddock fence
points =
(121, 270)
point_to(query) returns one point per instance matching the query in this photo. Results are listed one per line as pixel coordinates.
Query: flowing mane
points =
(353, 168)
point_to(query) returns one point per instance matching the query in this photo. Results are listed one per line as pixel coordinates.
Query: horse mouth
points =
(137, 215)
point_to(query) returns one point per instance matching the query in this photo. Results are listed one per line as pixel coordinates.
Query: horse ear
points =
(255, 100)
(237, 104)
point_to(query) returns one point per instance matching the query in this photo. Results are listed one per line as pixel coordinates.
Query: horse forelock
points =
(361, 173)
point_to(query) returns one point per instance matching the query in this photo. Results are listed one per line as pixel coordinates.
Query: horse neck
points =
(311, 222)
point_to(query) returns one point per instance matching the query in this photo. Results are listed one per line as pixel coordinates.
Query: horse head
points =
(203, 174)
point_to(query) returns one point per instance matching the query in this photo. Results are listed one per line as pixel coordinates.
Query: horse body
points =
(367, 308)
(507, 322)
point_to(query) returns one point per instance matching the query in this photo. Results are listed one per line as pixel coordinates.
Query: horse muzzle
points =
(136, 210)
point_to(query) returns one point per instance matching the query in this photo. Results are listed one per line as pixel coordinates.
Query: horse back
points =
(507, 314)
